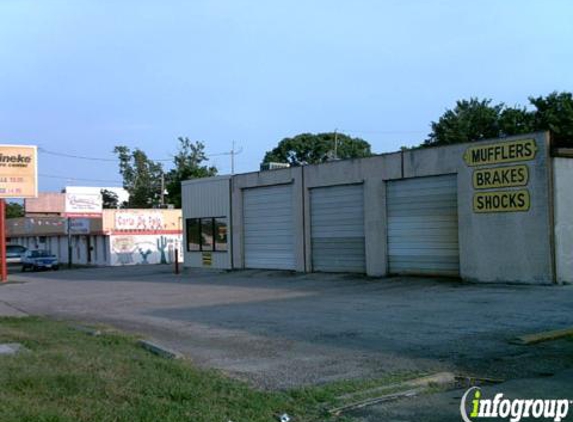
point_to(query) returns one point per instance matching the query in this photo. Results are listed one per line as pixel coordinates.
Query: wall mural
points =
(145, 249)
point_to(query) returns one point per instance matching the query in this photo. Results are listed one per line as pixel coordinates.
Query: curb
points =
(159, 350)
(543, 336)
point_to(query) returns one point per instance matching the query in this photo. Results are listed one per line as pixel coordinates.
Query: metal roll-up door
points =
(268, 227)
(423, 226)
(337, 229)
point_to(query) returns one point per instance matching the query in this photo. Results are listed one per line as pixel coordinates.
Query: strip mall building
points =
(97, 237)
(489, 211)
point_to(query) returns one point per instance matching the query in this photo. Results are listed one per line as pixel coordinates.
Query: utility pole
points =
(336, 144)
(162, 190)
(232, 153)
(69, 242)
(233, 159)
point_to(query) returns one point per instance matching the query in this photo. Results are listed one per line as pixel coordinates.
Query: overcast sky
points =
(81, 76)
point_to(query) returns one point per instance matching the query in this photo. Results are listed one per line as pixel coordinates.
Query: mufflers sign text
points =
(503, 152)
(486, 179)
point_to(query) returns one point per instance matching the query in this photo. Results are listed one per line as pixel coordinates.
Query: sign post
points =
(69, 230)
(18, 179)
(176, 261)
(4, 265)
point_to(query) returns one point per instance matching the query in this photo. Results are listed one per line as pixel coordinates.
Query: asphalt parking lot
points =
(280, 330)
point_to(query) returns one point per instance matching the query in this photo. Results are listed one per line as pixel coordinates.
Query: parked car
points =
(14, 253)
(40, 260)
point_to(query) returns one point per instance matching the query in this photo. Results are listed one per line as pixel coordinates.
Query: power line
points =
(113, 160)
(52, 176)
(83, 157)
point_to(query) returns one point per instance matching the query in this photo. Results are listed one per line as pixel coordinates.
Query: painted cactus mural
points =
(144, 249)
(161, 247)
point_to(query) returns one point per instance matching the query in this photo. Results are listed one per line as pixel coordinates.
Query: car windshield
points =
(40, 254)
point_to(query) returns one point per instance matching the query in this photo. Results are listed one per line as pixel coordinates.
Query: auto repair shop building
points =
(493, 210)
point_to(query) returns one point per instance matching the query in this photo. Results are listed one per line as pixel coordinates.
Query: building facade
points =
(206, 204)
(489, 211)
(116, 237)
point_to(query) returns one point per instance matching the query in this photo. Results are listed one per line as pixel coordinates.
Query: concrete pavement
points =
(280, 330)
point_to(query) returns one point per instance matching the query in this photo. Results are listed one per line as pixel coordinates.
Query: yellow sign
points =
(18, 171)
(501, 152)
(501, 177)
(502, 201)
(207, 259)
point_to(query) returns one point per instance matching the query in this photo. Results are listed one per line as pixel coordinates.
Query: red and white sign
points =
(139, 220)
(18, 171)
(83, 205)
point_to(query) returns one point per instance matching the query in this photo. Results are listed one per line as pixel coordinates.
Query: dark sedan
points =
(40, 260)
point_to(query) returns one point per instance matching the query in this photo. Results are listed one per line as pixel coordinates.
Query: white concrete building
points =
(491, 211)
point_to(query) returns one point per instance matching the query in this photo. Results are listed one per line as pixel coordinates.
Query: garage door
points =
(268, 225)
(337, 228)
(423, 226)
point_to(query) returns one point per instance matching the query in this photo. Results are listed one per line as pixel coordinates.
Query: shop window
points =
(220, 231)
(207, 234)
(193, 226)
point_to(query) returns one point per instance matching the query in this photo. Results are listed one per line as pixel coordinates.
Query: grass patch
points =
(68, 376)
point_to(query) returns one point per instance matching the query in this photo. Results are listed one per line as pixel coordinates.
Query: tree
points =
(14, 210)
(516, 120)
(141, 177)
(309, 148)
(188, 164)
(474, 119)
(555, 113)
(471, 119)
(110, 199)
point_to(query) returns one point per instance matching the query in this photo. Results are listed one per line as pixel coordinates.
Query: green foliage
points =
(14, 210)
(516, 120)
(188, 165)
(474, 119)
(110, 199)
(309, 148)
(68, 376)
(471, 119)
(141, 177)
(555, 113)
